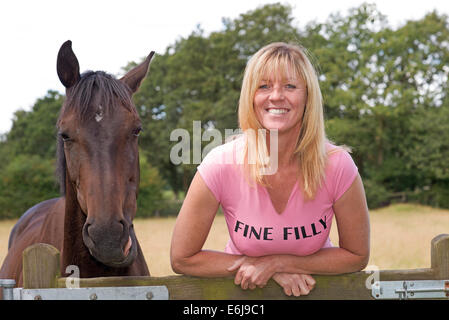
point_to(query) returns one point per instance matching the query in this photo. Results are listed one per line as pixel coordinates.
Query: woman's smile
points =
(277, 111)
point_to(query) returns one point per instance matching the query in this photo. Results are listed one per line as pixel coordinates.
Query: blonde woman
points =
(278, 221)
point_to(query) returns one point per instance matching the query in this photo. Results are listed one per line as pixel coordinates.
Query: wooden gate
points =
(41, 269)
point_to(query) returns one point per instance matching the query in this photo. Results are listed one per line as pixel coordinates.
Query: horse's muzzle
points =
(113, 244)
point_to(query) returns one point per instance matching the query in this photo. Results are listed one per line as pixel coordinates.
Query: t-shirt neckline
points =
(295, 186)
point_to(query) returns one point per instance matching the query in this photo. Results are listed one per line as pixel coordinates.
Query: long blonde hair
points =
(281, 58)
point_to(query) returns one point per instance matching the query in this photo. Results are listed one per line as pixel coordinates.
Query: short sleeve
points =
(210, 170)
(344, 172)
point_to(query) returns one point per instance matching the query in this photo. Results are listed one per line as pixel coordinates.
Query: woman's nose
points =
(277, 93)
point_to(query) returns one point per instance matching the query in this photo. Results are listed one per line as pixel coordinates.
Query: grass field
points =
(400, 237)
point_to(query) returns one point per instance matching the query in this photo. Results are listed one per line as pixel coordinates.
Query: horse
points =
(91, 223)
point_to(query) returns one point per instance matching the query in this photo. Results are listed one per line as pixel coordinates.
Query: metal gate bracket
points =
(98, 293)
(415, 289)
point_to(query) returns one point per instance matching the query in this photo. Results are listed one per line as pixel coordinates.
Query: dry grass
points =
(155, 236)
(5, 229)
(400, 237)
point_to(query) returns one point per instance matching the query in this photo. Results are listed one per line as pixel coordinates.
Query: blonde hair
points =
(284, 59)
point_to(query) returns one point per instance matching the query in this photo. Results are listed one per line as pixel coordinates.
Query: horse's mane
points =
(113, 93)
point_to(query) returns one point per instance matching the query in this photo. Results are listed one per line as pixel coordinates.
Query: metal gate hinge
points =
(413, 289)
(98, 293)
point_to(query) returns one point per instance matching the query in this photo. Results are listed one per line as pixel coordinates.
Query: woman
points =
(278, 222)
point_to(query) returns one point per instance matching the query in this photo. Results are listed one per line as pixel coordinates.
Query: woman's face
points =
(280, 103)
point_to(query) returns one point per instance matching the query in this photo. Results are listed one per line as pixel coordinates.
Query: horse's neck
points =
(74, 252)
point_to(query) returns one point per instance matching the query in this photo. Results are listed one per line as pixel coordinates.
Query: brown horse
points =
(98, 166)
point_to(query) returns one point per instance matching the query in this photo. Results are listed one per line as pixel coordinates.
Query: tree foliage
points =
(24, 182)
(385, 95)
(34, 132)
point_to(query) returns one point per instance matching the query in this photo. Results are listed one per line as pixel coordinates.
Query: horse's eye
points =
(137, 131)
(64, 136)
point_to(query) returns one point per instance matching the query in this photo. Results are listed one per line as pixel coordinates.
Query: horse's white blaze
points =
(99, 115)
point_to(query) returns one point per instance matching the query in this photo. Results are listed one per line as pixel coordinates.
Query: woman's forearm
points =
(327, 261)
(205, 263)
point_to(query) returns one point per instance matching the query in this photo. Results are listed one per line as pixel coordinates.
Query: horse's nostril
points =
(125, 225)
(86, 237)
(86, 229)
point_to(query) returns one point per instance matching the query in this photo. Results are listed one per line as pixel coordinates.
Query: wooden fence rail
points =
(41, 270)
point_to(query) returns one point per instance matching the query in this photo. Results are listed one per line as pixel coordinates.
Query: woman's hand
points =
(293, 283)
(253, 272)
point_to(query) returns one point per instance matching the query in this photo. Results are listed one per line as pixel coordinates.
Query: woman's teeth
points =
(277, 111)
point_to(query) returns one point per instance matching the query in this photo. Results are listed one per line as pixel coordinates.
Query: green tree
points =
(374, 79)
(34, 132)
(150, 200)
(385, 95)
(426, 149)
(27, 157)
(24, 182)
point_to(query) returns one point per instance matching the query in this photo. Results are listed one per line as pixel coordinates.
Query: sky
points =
(107, 34)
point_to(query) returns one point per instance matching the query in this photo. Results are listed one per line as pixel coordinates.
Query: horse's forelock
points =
(112, 94)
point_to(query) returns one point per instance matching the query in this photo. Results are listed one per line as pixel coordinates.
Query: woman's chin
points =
(279, 128)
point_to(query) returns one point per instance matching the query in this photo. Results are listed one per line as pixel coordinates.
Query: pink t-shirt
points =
(255, 228)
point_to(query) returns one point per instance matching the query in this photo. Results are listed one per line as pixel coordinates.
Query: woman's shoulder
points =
(333, 150)
(341, 170)
(337, 155)
(228, 152)
(215, 169)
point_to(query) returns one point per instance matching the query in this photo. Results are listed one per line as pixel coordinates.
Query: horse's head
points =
(99, 160)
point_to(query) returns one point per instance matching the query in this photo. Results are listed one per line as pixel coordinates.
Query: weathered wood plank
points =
(193, 288)
(41, 266)
(347, 286)
(407, 274)
(440, 256)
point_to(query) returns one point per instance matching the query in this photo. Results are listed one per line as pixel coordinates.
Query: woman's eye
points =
(137, 131)
(263, 86)
(291, 86)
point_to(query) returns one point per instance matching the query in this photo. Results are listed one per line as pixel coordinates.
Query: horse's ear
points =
(133, 78)
(67, 65)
